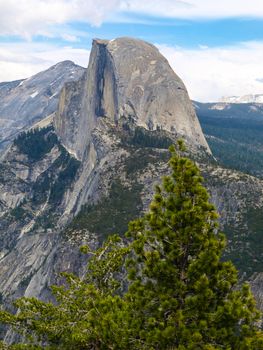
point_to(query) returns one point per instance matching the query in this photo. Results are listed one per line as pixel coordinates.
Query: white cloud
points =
(23, 60)
(27, 18)
(195, 8)
(30, 17)
(70, 37)
(210, 73)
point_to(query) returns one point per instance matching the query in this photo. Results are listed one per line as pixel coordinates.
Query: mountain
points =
(91, 170)
(237, 111)
(235, 134)
(127, 80)
(258, 98)
(24, 102)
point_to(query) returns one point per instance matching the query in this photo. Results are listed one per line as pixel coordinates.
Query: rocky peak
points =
(24, 102)
(126, 79)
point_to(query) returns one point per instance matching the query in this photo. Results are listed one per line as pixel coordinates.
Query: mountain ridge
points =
(26, 101)
(96, 164)
(250, 98)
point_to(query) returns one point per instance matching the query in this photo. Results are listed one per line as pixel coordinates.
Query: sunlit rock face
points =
(126, 78)
(25, 102)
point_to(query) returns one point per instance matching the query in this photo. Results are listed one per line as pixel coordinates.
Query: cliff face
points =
(127, 79)
(148, 90)
(95, 168)
(25, 102)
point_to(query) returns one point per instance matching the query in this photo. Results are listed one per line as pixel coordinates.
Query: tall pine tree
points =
(184, 295)
(176, 292)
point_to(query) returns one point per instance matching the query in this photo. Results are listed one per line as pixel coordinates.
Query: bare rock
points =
(126, 78)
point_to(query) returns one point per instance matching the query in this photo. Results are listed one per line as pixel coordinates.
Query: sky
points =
(215, 46)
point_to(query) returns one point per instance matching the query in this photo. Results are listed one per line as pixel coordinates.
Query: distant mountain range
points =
(258, 98)
(234, 132)
(238, 111)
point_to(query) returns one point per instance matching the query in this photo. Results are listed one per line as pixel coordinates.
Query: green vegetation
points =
(236, 143)
(41, 187)
(25, 282)
(246, 242)
(140, 158)
(51, 185)
(123, 203)
(113, 213)
(56, 179)
(19, 212)
(235, 136)
(242, 219)
(36, 143)
(65, 177)
(145, 138)
(176, 293)
(138, 136)
(5, 173)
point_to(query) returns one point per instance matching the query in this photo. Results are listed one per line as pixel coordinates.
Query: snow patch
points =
(34, 94)
(258, 98)
(220, 106)
(55, 94)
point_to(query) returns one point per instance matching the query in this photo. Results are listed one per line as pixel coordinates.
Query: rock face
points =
(93, 171)
(88, 156)
(24, 102)
(126, 79)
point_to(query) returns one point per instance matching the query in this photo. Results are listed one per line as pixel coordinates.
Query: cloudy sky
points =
(216, 47)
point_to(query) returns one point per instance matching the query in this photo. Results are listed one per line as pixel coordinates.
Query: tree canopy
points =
(163, 287)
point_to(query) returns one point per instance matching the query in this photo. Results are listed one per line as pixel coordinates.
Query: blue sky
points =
(177, 32)
(216, 47)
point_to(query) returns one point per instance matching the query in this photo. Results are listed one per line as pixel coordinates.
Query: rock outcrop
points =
(126, 79)
(24, 102)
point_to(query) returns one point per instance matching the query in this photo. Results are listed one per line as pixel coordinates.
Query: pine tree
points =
(87, 311)
(184, 295)
(176, 291)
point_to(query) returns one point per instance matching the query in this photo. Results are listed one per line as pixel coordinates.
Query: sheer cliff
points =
(127, 79)
(93, 168)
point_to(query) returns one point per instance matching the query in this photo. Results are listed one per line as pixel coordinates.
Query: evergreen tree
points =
(175, 292)
(184, 295)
